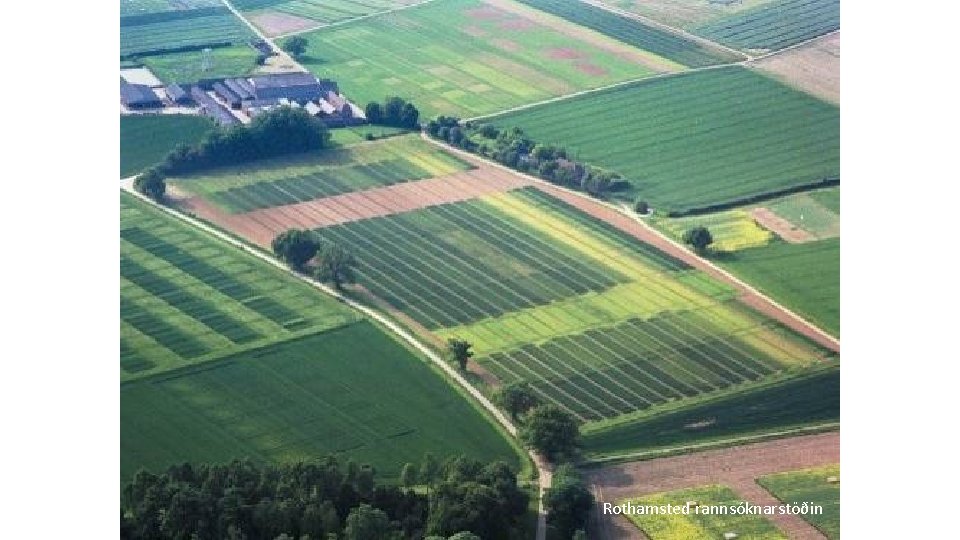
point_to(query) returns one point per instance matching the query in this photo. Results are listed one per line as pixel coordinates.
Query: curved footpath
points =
(633, 224)
(543, 471)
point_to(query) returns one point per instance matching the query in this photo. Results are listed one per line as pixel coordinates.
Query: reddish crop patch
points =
(517, 24)
(486, 13)
(590, 69)
(474, 31)
(274, 23)
(505, 44)
(564, 53)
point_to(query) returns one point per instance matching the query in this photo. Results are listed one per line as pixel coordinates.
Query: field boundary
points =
(678, 31)
(702, 262)
(657, 453)
(347, 21)
(544, 473)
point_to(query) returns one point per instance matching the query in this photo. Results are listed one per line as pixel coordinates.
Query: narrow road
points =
(737, 467)
(543, 470)
(633, 224)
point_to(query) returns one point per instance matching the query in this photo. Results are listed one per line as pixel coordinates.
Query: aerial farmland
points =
(479, 268)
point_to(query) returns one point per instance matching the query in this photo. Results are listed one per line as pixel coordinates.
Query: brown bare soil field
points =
(274, 23)
(579, 32)
(261, 226)
(767, 219)
(813, 67)
(737, 467)
(648, 235)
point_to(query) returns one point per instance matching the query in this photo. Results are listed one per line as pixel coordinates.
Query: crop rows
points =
(603, 373)
(462, 262)
(633, 32)
(322, 183)
(167, 31)
(322, 11)
(185, 299)
(699, 139)
(776, 25)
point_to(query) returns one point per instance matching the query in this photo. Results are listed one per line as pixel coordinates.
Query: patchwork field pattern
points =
(167, 31)
(686, 14)
(467, 57)
(696, 140)
(291, 180)
(352, 391)
(640, 35)
(311, 12)
(732, 230)
(816, 486)
(775, 25)
(695, 525)
(186, 298)
(598, 322)
(146, 139)
(813, 67)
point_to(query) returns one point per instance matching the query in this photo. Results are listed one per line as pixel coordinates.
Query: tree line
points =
(553, 433)
(334, 264)
(322, 500)
(394, 111)
(513, 148)
(280, 131)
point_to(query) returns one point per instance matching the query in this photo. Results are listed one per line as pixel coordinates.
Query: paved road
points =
(543, 469)
(737, 467)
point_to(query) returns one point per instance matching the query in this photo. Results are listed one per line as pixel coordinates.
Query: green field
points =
(686, 14)
(321, 11)
(143, 7)
(146, 139)
(808, 399)
(288, 180)
(699, 524)
(816, 486)
(188, 66)
(817, 212)
(223, 356)
(463, 57)
(696, 140)
(803, 277)
(732, 230)
(775, 25)
(633, 32)
(597, 322)
(186, 298)
(158, 32)
(352, 135)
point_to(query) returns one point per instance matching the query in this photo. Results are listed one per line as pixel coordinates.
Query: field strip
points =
(354, 19)
(597, 89)
(263, 224)
(737, 467)
(678, 31)
(635, 225)
(542, 469)
(791, 47)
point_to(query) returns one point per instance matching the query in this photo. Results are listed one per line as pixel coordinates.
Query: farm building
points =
(212, 108)
(227, 95)
(301, 87)
(138, 96)
(178, 95)
(240, 87)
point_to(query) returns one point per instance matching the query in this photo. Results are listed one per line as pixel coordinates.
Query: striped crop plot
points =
(820, 486)
(275, 17)
(633, 32)
(472, 57)
(174, 30)
(775, 25)
(302, 178)
(696, 140)
(145, 139)
(595, 320)
(225, 357)
(683, 14)
(187, 299)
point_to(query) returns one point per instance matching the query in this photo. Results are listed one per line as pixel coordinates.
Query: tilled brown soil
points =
(767, 219)
(737, 467)
(261, 226)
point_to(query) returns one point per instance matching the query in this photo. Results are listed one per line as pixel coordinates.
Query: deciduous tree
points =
(295, 45)
(550, 431)
(296, 247)
(151, 183)
(517, 398)
(699, 237)
(460, 351)
(335, 265)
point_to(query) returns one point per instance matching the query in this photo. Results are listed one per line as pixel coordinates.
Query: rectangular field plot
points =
(819, 486)
(776, 25)
(458, 263)
(696, 140)
(351, 391)
(276, 17)
(647, 37)
(686, 14)
(146, 139)
(167, 31)
(702, 524)
(303, 178)
(468, 57)
(187, 298)
(732, 230)
(190, 66)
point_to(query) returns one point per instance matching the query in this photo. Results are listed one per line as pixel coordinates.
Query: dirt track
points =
(736, 467)
(261, 226)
